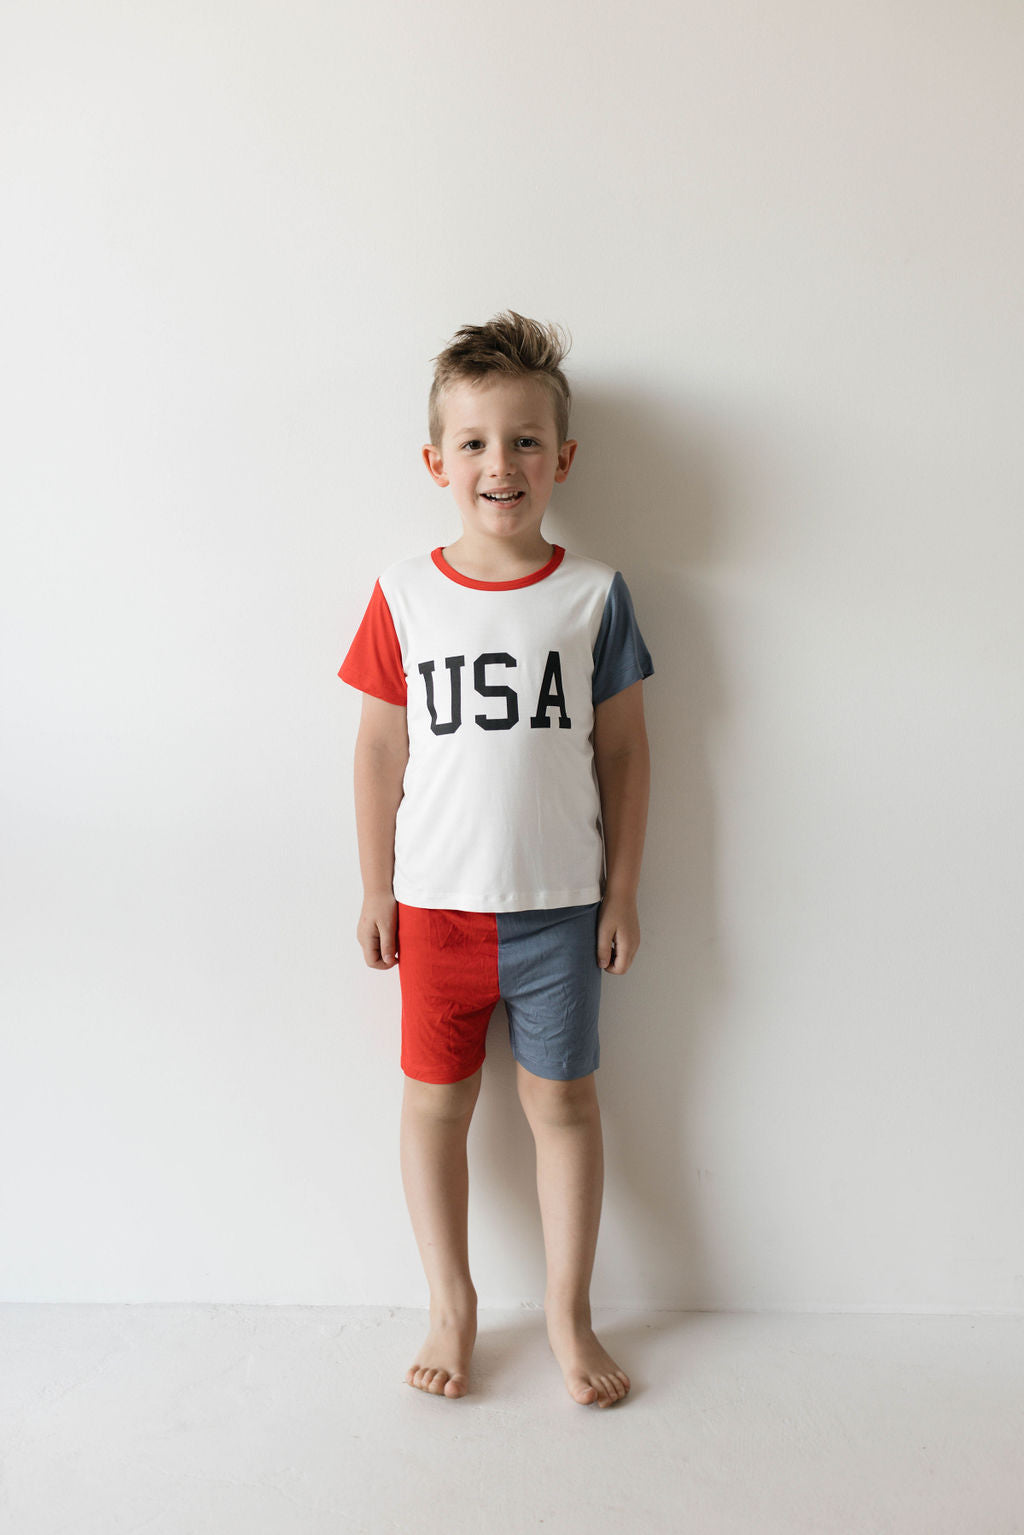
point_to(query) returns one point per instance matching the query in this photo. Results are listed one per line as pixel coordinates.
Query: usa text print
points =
(485, 671)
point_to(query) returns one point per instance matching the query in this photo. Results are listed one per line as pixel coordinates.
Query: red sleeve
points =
(374, 662)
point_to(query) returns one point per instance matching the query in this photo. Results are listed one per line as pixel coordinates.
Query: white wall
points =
(789, 242)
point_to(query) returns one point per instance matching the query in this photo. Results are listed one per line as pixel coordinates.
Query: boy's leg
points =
(566, 1124)
(435, 1123)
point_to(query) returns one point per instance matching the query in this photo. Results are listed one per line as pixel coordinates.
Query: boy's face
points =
(500, 454)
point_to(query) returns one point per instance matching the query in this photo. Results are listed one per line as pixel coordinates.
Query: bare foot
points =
(591, 1374)
(442, 1364)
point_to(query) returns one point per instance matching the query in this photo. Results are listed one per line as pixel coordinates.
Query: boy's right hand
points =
(377, 931)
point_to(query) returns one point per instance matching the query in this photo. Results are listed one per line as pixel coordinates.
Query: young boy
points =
(501, 782)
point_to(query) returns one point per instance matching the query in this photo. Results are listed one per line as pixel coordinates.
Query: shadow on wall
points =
(641, 497)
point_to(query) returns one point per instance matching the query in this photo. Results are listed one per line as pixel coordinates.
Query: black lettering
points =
(495, 690)
(552, 695)
(454, 665)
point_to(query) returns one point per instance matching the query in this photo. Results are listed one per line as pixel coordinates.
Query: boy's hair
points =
(510, 345)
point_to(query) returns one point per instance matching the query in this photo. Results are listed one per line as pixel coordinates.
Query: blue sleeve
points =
(620, 655)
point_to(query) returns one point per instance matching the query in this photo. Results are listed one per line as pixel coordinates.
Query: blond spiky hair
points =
(511, 345)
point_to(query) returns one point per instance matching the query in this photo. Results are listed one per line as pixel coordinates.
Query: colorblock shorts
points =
(454, 966)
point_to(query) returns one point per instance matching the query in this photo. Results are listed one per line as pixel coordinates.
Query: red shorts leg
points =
(448, 969)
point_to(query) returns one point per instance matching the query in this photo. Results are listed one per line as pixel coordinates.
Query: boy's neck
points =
(504, 560)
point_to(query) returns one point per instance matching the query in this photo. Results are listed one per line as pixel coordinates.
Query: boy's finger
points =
(378, 939)
(605, 948)
(387, 942)
(622, 956)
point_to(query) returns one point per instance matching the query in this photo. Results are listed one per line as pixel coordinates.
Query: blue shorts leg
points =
(550, 982)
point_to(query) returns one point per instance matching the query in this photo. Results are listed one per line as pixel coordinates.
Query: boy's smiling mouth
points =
(503, 497)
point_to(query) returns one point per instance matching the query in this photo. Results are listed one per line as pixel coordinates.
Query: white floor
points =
(212, 1420)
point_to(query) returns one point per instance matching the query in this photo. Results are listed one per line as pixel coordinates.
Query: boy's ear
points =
(435, 464)
(566, 454)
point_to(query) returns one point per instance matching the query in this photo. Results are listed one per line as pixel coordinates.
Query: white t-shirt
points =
(500, 680)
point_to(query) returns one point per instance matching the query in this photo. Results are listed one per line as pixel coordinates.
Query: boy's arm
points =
(382, 751)
(622, 759)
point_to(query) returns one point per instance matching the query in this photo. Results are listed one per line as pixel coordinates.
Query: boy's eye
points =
(473, 443)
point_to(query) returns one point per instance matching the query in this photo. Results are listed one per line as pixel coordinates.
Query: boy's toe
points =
(613, 1389)
(583, 1391)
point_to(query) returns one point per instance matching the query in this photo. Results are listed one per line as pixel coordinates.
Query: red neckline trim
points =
(557, 556)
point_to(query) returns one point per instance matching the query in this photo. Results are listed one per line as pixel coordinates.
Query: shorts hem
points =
(438, 1081)
(550, 1074)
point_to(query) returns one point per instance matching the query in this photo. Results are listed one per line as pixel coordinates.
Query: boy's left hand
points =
(618, 934)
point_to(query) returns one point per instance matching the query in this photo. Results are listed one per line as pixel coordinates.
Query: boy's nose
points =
(502, 460)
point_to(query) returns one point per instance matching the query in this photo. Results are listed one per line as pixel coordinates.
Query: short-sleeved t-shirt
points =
(500, 679)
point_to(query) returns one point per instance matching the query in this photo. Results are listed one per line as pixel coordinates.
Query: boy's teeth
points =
(509, 495)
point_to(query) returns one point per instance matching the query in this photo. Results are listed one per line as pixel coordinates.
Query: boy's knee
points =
(558, 1103)
(442, 1101)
